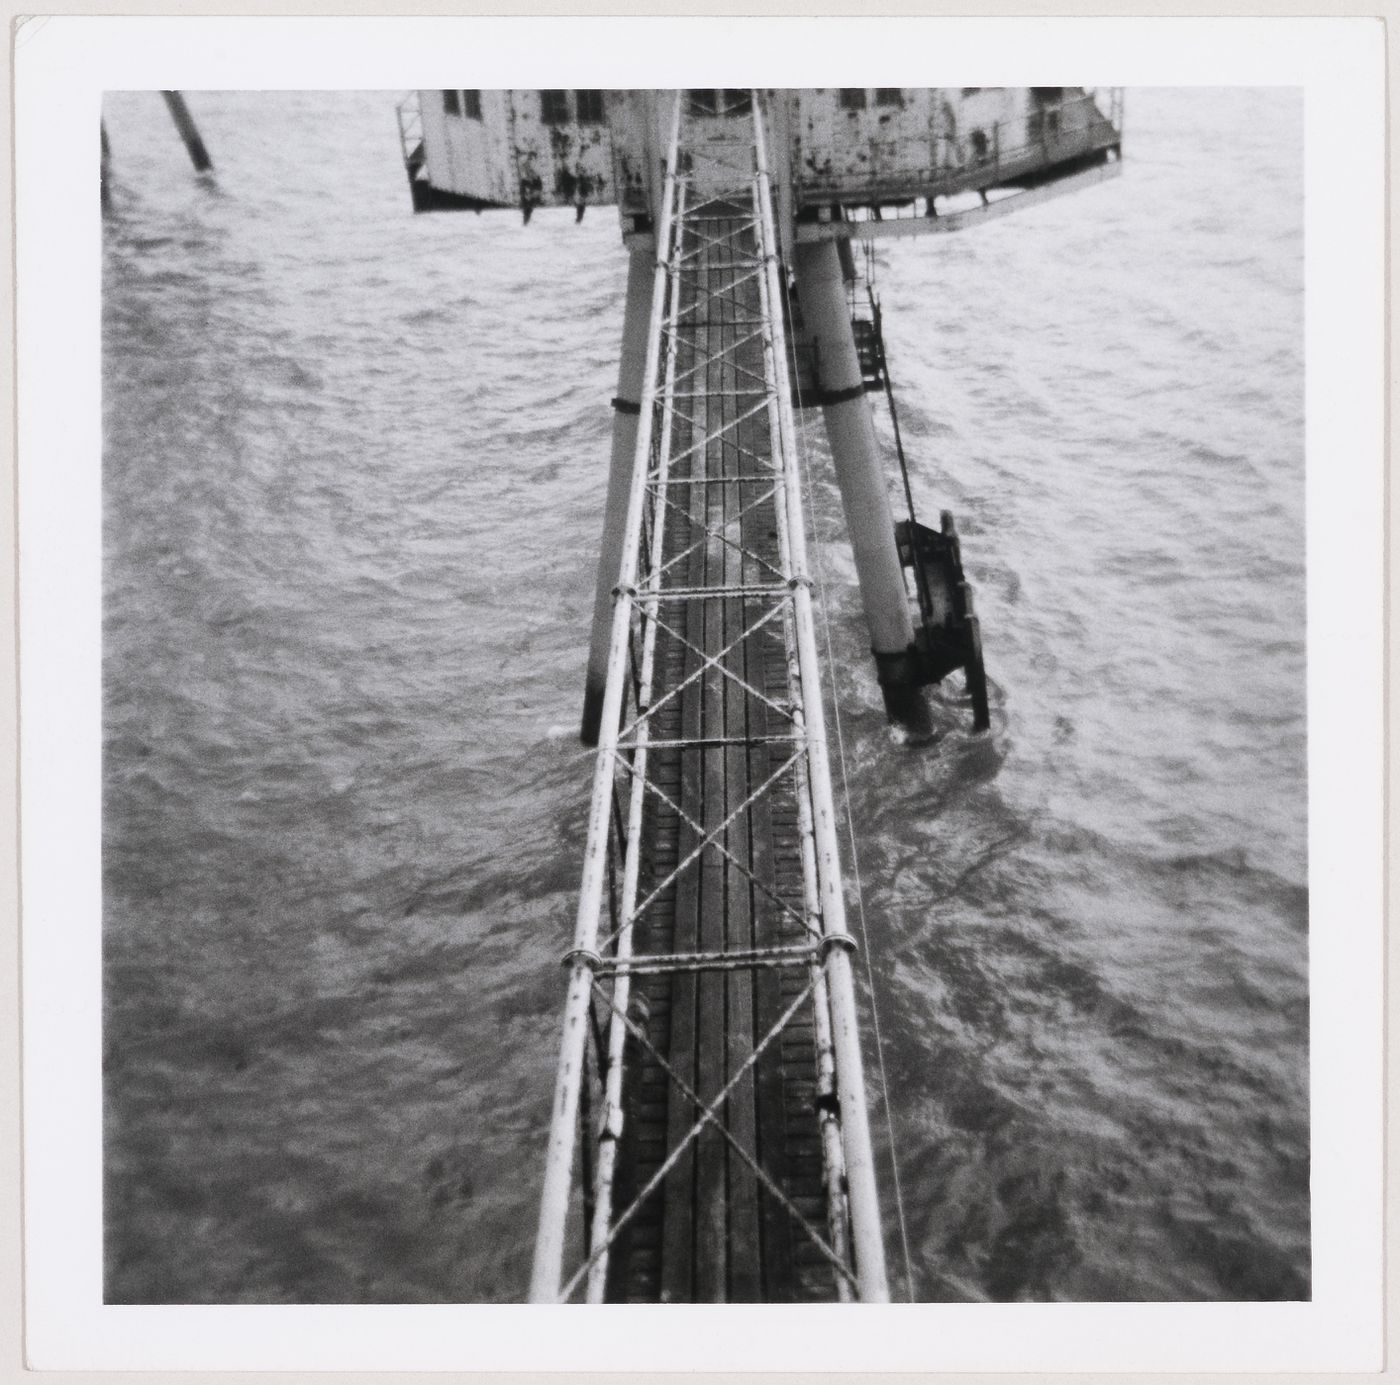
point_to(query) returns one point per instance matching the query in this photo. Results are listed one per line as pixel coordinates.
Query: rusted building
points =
(866, 151)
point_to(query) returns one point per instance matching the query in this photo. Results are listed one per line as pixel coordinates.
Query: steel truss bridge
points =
(709, 1136)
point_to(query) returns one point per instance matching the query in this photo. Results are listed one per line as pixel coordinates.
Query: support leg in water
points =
(821, 291)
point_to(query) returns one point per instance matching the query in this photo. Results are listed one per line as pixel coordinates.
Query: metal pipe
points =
(872, 1281)
(864, 494)
(554, 1196)
(833, 1153)
(635, 321)
(189, 131)
(778, 955)
(613, 1114)
(828, 1125)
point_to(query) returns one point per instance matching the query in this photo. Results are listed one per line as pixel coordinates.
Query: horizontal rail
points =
(1017, 144)
(737, 960)
(945, 222)
(714, 742)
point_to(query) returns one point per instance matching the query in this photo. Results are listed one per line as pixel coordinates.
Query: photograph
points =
(704, 696)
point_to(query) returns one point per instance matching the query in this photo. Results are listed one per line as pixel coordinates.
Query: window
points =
(738, 102)
(971, 91)
(471, 104)
(701, 102)
(889, 96)
(554, 107)
(451, 104)
(852, 98)
(590, 107)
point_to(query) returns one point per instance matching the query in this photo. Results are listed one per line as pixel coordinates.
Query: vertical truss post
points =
(837, 944)
(554, 1198)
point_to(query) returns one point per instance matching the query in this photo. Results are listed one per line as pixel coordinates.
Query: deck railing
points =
(1052, 132)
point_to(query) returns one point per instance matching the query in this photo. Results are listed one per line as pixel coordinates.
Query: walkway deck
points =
(710, 982)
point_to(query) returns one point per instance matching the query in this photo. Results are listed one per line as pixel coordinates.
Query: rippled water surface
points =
(353, 484)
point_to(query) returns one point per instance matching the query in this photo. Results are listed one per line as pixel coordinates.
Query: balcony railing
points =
(1054, 134)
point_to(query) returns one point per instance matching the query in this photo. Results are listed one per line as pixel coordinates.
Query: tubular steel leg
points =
(636, 319)
(864, 495)
(189, 132)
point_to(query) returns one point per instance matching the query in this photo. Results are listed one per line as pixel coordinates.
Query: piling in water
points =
(189, 132)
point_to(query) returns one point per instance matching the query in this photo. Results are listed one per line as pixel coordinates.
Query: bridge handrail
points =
(546, 1275)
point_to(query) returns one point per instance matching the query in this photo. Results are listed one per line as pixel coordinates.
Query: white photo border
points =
(63, 65)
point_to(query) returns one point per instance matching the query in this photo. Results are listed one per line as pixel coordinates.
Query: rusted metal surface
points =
(936, 142)
(466, 156)
(637, 159)
(525, 149)
(850, 147)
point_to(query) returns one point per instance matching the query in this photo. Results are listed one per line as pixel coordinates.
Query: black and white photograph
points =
(708, 694)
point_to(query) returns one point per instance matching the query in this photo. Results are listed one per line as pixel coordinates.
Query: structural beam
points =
(821, 291)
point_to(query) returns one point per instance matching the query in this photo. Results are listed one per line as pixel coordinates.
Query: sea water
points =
(353, 478)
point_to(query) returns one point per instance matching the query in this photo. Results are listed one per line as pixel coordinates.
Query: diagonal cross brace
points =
(707, 1117)
(710, 661)
(695, 854)
(796, 915)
